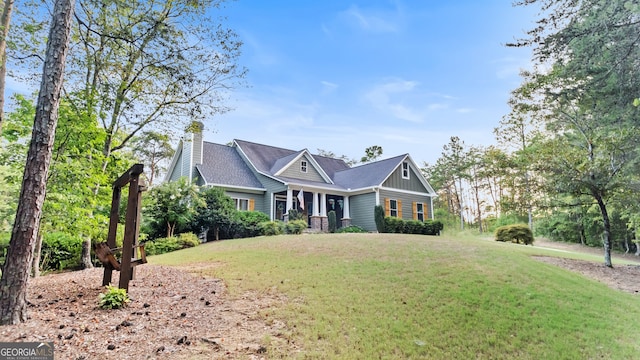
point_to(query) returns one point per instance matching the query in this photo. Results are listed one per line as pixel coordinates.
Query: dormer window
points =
(405, 170)
(303, 166)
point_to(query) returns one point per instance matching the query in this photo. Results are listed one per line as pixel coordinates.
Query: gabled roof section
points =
(331, 165)
(273, 161)
(371, 174)
(263, 157)
(425, 183)
(222, 165)
(176, 156)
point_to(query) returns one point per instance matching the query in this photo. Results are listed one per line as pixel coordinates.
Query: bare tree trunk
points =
(5, 20)
(36, 257)
(13, 285)
(85, 258)
(607, 230)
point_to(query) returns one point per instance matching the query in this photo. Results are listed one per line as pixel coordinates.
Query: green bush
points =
(393, 225)
(399, 226)
(351, 229)
(60, 251)
(517, 233)
(187, 240)
(295, 215)
(332, 221)
(378, 214)
(5, 237)
(296, 226)
(165, 245)
(248, 223)
(114, 298)
(271, 228)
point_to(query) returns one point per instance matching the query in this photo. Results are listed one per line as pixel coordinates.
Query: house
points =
(273, 180)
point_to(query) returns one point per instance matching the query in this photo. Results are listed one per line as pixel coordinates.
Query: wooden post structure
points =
(131, 226)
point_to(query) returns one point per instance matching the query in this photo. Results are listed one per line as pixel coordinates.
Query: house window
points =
(303, 166)
(241, 204)
(393, 208)
(405, 170)
(420, 211)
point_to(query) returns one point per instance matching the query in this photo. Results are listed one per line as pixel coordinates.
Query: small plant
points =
(378, 214)
(271, 228)
(296, 226)
(332, 221)
(352, 229)
(114, 298)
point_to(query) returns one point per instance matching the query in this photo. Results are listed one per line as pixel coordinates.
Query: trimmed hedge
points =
(517, 233)
(399, 226)
(351, 229)
(271, 228)
(296, 226)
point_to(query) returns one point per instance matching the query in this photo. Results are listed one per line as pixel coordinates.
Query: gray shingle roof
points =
(371, 174)
(263, 157)
(223, 165)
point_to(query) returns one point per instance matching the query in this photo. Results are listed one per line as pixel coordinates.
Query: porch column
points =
(316, 208)
(316, 223)
(323, 204)
(346, 217)
(289, 204)
(345, 205)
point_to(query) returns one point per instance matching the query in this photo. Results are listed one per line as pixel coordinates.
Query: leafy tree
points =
(371, 154)
(13, 285)
(216, 212)
(153, 149)
(5, 20)
(172, 205)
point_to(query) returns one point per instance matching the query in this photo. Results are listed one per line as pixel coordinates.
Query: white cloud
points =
(377, 21)
(389, 98)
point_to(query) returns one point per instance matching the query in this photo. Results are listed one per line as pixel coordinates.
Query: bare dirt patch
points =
(621, 277)
(172, 315)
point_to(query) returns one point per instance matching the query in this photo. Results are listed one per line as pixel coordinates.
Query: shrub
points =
(517, 233)
(413, 227)
(295, 215)
(5, 237)
(351, 229)
(165, 245)
(60, 251)
(271, 228)
(378, 214)
(248, 223)
(187, 240)
(296, 226)
(332, 221)
(114, 298)
(432, 227)
(393, 225)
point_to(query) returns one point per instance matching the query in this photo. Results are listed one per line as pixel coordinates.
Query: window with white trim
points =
(405, 170)
(393, 208)
(241, 204)
(303, 166)
(420, 211)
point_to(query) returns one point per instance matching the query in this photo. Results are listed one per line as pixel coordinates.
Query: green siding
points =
(176, 173)
(361, 211)
(412, 184)
(257, 198)
(407, 202)
(294, 172)
(186, 159)
(272, 187)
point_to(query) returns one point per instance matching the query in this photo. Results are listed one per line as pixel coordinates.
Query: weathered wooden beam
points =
(123, 180)
(130, 225)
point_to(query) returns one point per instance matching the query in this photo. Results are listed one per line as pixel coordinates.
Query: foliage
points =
(171, 205)
(378, 214)
(272, 228)
(351, 229)
(214, 213)
(5, 237)
(152, 149)
(507, 219)
(517, 233)
(295, 226)
(331, 218)
(371, 153)
(113, 298)
(248, 223)
(400, 226)
(60, 251)
(165, 245)
(295, 215)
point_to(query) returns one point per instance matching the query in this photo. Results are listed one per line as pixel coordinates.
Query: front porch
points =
(314, 206)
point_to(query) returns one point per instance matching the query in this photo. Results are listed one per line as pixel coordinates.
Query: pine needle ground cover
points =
(394, 296)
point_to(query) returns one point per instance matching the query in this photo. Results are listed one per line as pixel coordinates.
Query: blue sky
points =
(344, 75)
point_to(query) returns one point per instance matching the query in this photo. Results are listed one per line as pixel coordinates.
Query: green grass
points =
(383, 296)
